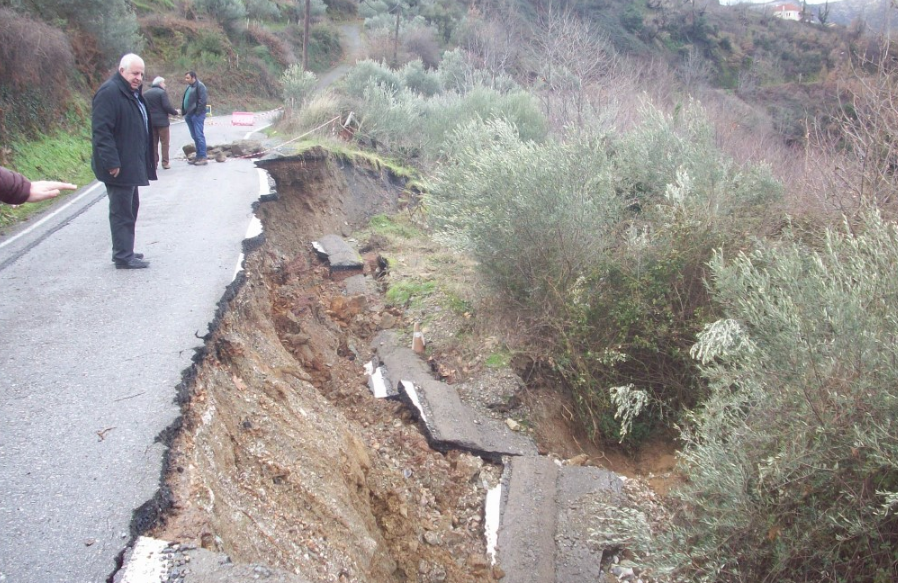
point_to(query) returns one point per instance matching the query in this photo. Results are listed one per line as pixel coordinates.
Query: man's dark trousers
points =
(123, 204)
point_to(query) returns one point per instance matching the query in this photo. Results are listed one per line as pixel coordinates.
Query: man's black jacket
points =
(198, 99)
(121, 139)
(159, 107)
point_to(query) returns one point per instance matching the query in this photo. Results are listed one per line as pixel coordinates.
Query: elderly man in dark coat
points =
(160, 108)
(123, 154)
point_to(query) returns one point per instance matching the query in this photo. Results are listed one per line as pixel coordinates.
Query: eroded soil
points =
(284, 457)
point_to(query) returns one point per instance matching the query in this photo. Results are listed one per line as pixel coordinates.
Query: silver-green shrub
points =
(602, 241)
(262, 10)
(535, 214)
(391, 118)
(297, 87)
(226, 12)
(396, 110)
(792, 463)
(458, 74)
(665, 149)
(445, 113)
(418, 79)
(367, 73)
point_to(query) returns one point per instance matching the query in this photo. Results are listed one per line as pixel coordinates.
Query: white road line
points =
(50, 216)
(255, 225)
(259, 129)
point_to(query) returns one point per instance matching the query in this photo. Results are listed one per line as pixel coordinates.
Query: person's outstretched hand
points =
(44, 189)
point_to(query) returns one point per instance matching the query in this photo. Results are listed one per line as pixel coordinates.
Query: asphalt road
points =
(90, 357)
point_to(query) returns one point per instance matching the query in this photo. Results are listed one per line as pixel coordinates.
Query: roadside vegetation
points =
(674, 261)
(682, 214)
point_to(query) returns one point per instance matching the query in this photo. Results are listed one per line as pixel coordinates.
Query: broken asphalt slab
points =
(544, 527)
(151, 560)
(447, 422)
(337, 253)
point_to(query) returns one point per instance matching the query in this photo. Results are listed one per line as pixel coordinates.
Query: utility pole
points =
(396, 39)
(305, 37)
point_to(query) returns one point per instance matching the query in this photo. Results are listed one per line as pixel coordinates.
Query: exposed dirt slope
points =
(284, 457)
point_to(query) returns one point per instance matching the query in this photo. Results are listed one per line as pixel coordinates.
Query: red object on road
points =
(243, 118)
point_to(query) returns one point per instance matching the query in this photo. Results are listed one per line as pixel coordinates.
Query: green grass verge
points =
(63, 155)
(498, 359)
(393, 226)
(404, 293)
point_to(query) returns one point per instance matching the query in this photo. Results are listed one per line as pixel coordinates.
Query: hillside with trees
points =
(686, 211)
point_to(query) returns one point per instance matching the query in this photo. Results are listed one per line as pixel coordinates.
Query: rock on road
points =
(91, 356)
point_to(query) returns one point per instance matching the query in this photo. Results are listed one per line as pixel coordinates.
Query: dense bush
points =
(227, 12)
(640, 305)
(791, 464)
(366, 73)
(396, 113)
(262, 10)
(297, 86)
(419, 80)
(601, 242)
(535, 215)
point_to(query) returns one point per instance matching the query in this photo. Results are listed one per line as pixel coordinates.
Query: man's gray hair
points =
(126, 61)
(158, 81)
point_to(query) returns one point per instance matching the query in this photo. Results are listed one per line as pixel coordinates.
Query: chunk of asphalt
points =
(357, 285)
(450, 424)
(204, 566)
(447, 422)
(337, 253)
(152, 560)
(546, 516)
(379, 381)
(582, 493)
(526, 540)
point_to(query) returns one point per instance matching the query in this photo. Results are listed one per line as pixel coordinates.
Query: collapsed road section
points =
(287, 468)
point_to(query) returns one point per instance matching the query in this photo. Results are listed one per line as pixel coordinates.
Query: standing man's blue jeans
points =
(195, 125)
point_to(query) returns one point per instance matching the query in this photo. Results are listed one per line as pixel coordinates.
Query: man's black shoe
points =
(132, 264)
(136, 256)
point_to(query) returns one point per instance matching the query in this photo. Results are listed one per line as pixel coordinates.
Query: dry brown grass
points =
(31, 54)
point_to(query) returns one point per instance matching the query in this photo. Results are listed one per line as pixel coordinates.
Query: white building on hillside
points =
(787, 12)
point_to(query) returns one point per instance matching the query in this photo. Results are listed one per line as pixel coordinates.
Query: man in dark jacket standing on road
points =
(193, 106)
(123, 154)
(160, 108)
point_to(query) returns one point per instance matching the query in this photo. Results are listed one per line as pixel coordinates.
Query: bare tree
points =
(494, 40)
(694, 70)
(858, 166)
(568, 57)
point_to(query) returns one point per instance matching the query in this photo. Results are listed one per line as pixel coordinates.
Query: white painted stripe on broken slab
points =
(146, 563)
(379, 383)
(412, 391)
(492, 512)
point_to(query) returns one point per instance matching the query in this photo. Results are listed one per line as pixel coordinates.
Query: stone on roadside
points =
(246, 147)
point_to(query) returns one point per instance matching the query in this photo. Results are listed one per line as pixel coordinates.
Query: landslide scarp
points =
(284, 458)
